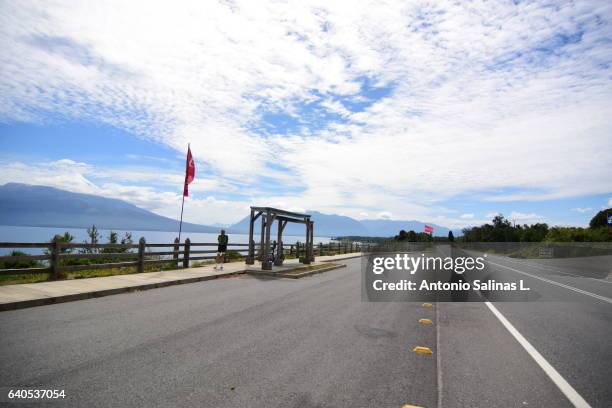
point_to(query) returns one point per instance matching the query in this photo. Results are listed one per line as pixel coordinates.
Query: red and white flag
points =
(189, 172)
(428, 229)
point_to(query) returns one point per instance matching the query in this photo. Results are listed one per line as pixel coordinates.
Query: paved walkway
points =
(43, 293)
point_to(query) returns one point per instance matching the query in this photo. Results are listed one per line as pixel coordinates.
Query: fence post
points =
(187, 249)
(175, 255)
(55, 251)
(297, 250)
(141, 254)
(320, 249)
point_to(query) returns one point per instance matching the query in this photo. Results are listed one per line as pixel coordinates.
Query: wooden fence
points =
(69, 257)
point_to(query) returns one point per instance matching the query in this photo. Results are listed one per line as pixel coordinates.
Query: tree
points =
(113, 238)
(93, 234)
(532, 233)
(64, 238)
(402, 236)
(94, 238)
(127, 239)
(451, 237)
(600, 219)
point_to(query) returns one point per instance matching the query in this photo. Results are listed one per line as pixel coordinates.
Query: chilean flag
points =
(189, 172)
(428, 229)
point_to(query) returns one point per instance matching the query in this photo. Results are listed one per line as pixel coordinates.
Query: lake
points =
(44, 234)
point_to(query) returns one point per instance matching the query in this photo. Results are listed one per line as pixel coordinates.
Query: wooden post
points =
(312, 255)
(308, 246)
(175, 255)
(186, 254)
(280, 255)
(262, 238)
(55, 252)
(303, 258)
(250, 259)
(297, 250)
(320, 249)
(266, 263)
(141, 254)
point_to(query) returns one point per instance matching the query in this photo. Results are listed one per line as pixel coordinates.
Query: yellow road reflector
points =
(425, 321)
(422, 350)
(427, 305)
(411, 406)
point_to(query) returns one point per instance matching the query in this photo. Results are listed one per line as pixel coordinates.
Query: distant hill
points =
(329, 225)
(40, 206)
(326, 225)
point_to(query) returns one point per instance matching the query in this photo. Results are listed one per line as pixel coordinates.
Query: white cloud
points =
(525, 217)
(384, 215)
(583, 210)
(610, 202)
(467, 216)
(476, 105)
(123, 184)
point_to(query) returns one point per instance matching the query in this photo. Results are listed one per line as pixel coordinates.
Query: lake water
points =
(44, 234)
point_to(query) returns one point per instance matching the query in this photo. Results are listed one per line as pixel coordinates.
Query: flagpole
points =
(181, 224)
(183, 203)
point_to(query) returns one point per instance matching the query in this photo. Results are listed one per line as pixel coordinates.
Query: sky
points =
(447, 112)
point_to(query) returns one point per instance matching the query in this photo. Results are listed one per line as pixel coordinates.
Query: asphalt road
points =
(312, 342)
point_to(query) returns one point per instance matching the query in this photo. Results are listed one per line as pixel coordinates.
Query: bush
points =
(233, 255)
(19, 264)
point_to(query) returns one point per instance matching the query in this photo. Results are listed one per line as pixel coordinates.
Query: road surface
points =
(312, 342)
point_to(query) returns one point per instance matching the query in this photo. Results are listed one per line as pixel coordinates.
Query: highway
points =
(312, 342)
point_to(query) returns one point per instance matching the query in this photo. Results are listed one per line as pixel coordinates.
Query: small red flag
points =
(428, 229)
(189, 172)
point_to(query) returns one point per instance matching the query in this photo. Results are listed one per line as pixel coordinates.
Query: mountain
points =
(40, 206)
(326, 225)
(330, 225)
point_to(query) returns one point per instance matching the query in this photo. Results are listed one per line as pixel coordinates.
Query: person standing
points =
(222, 240)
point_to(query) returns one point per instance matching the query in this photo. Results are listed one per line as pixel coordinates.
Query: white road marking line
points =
(550, 268)
(569, 391)
(552, 282)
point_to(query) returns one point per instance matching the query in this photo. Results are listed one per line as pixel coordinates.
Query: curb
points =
(342, 259)
(291, 276)
(107, 292)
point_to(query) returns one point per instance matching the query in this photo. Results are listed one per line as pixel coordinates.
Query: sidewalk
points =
(44, 293)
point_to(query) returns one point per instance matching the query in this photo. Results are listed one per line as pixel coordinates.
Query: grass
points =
(309, 268)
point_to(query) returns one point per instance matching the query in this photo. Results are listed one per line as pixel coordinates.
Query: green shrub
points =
(23, 264)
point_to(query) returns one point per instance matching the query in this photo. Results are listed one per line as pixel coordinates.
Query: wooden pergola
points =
(268, 216)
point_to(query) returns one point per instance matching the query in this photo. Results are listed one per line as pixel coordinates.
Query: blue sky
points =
(443, 112)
